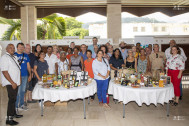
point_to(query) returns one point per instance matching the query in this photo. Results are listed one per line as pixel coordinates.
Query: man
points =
(157, 61)
(123, 49)
(148, 51)
(10, 75)
(51, 60)
(168, 55)
(110, 50)
(167, 51)
(24, 62)
(91, 47)
(83, 52)
(72, 46)
(30, 84)
(95, 51)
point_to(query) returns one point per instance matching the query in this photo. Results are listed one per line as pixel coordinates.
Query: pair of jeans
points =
(102, 86)
(12, 94)
(21, 92)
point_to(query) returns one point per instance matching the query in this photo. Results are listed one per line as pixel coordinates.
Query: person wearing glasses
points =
(157, 61)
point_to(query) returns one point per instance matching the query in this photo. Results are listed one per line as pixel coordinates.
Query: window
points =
(135, 29)
(155, 29)
(163, 29)
(143, 29)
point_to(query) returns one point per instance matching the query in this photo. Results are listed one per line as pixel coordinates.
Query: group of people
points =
(21, 70)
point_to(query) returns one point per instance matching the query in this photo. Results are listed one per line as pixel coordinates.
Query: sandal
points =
(105, 105)
(175, 103)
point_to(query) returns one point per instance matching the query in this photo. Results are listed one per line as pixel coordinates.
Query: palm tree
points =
(50, 27)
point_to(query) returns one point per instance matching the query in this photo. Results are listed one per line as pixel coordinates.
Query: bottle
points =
(44, 77)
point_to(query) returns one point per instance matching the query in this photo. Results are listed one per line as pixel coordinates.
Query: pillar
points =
(114, 22)
(28, 24)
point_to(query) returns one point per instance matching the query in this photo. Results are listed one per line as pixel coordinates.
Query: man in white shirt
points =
(167, 51)
(168, 55)
(11, 76)
(51, 60)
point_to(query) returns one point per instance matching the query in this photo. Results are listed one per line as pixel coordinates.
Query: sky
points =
(93, 17)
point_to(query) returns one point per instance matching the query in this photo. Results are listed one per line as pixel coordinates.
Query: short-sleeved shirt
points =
(116, 62)
(51, 62)
(91, 47)
(32, 59)
(83, 55)
(12, 66)
(157, 60)
(26, 59)
(42, 67)
(88, 68)
(124, 54)
(63, 66)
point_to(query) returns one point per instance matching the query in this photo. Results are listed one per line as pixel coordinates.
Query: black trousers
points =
(12, 94)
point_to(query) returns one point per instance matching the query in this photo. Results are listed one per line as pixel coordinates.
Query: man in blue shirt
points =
(123, 50)
(83, 52)
(24, 62)
(91, 47)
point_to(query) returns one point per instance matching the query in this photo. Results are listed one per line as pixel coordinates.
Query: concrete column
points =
(114, 22)
(28, 23)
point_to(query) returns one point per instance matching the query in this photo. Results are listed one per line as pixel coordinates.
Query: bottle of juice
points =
(44, 77)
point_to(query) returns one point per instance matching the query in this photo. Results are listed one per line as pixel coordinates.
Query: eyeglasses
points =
(156, 55)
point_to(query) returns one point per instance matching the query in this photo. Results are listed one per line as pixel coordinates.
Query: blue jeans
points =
(102, 86)
(21, 92)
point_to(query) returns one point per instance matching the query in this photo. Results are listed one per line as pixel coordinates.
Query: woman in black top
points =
(116, 61)
(131, 61)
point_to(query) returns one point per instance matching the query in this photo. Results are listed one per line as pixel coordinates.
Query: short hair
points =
(178, 49)
(76, 48)
(99, 50)
(62, 52)
(142, 49)
(122, 42)
(40, 53)
(49, 47)
(72, 42)
(156, 44)
(20, 43)
(89, 51)
(83, 45)
(138, 43)
(104, 47)
(95, 38)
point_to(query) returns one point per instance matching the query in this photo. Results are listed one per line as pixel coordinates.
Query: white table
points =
(147, 95)
(63, 94)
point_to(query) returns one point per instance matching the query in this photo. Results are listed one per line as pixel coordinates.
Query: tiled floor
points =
(72, 115)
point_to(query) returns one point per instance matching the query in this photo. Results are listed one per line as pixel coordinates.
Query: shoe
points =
(17, 116)
(23, 107)
(171, 101)
(25, 103)
(175, 103)
(10, 121)
(180, 98)
(32, 101)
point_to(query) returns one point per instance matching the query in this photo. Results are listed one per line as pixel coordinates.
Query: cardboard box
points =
(48, 104)
(58, 103)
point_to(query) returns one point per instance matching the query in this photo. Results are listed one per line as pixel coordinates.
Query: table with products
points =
(64, 94)
(147, 95)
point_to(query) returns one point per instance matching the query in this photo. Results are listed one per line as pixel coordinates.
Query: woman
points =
(142, 62)
(37, 50)
(76, 61)
(101, 70)
(131, 61)
(62, 63)
(69, 53)
(174, 67)
(105, 51)
(116, 61)
(135, 53)
(40, 66)
(88, 64)
(56, 51)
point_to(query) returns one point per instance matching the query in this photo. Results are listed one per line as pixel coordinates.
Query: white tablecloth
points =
(63, 94)
(147, 95)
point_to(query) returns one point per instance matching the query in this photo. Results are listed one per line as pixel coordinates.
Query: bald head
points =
(10, 49)
(172, 43)
(27, 48)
